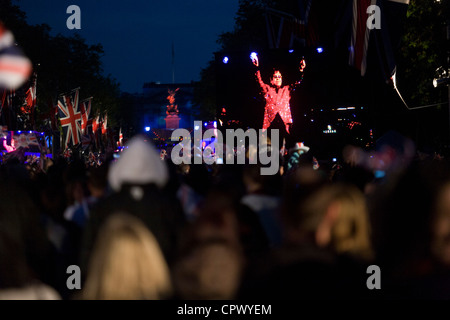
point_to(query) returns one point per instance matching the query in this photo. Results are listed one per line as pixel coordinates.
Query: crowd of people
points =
(140, 227)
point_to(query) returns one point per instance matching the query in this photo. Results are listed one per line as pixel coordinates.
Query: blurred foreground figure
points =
(326, 245)
(209, 270)
(210, 259)
(26, 254)
(411, 214)
(127, 263)
(15, 67)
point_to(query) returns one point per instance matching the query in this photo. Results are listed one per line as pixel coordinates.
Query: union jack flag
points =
(85, 108)
(105, 124)
(70, 117)
(86, 140)
(67, 153)
(30, 99)
(26, 140)
(120, 143)
(360, 35)
(96, 123)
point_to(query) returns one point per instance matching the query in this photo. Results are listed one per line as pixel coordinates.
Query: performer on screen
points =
(277, 96)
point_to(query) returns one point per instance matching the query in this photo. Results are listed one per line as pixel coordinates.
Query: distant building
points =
(151, 105)
(149, 109)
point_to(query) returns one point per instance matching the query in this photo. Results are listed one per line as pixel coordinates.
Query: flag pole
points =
(173, 63)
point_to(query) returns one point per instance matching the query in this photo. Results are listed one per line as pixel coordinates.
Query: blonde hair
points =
(127, 263)
(350, 232)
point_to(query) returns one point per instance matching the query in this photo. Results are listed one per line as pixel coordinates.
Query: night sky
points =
(137, 36)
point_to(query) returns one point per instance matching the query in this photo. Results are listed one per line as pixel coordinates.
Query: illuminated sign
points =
(329, 130)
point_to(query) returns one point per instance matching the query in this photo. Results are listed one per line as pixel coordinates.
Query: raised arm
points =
(255, 61)
(301, 68)
(254, 58)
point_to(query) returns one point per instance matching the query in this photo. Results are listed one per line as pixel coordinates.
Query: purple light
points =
(225, 60)
(292, 50)
(319, 49)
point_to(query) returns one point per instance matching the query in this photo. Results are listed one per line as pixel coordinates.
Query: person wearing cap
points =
(295, 153)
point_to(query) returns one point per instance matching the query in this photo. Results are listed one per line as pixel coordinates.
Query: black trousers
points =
(288, 137)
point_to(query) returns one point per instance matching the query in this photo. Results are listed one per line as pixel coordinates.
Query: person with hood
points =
(137, 183)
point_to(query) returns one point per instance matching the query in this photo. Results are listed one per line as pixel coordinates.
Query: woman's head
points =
(127, 263)
(336, 216)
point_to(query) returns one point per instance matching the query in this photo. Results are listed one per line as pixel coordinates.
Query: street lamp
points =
(442, 79)
(437, 82)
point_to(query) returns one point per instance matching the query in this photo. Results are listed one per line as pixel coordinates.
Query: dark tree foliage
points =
(424, 48)
(62, 63)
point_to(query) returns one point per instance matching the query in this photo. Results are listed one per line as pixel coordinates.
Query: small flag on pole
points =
(105, 124)
(30, 98)
(86, 121)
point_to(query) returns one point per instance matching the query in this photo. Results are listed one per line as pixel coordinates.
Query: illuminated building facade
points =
(149, 108)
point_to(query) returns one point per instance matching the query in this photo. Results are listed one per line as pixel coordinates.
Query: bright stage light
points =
(215, 124)
(225, 60)
(253, 55)
(292, 50)
(147, 129)
(196, 127)
(319, 49)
